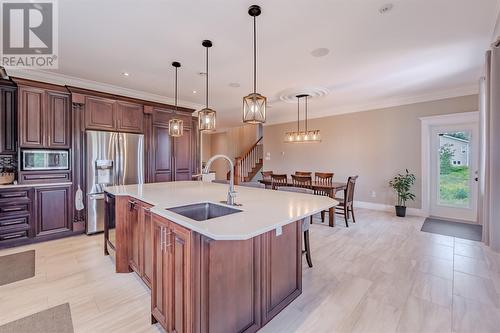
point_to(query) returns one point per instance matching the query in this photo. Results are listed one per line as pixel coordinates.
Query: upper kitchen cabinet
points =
(8, 123)
(105, 112)
(44, 115)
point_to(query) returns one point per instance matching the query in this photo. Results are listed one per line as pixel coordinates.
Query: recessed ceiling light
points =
(386, 8)
(320, 52)
(234, 85)
(126, 74)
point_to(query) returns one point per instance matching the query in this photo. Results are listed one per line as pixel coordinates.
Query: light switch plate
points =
(279, 231)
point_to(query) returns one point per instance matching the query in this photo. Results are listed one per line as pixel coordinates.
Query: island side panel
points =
(281, 269)
(230, 286)
(122, 234)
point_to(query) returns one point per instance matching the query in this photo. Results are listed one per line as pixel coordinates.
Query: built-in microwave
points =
(45, 160)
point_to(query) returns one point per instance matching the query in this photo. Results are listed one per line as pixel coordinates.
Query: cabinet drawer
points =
(17, 194)
(14, 235)
(14, 224)
(57, 177)
(14, 209)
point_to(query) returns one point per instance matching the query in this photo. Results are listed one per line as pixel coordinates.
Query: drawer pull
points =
(12, 236)
(5, 224)
(13, 195)
(13, 209)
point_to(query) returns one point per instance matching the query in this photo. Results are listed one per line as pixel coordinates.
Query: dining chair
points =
(345, 206)
(266, 175)
(302, 181)
(305, 225)
(303, 173)
(323, 178)
(278, 180)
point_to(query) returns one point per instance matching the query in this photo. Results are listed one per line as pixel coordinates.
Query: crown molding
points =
(66, 80)
(383, 104)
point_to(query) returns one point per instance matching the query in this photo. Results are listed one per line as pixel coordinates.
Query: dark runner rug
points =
(17, 266)
(456, 229)
(53, 320)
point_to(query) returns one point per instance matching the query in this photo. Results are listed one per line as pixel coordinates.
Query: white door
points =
(454, 164)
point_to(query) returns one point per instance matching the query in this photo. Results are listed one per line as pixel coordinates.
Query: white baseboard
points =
(389, 208)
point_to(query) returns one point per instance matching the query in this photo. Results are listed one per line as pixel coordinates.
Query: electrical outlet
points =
(374, 194)
(279, 231)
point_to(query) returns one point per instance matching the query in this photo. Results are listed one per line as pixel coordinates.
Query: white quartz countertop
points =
(262, 210)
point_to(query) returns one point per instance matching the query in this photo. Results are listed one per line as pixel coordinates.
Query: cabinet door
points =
(162, 154)
(147, 253)
(59, 120)
(31, 120)
(134, 246)
(183, 150)
(99, 113)
(130, 117)
(8, 121)
(160, 285)
(52, 210)
(180, 248)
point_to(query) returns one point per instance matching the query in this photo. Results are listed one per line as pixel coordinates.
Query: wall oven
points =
(45, 160)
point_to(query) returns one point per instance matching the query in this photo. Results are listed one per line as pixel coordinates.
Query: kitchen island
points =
(212, 267)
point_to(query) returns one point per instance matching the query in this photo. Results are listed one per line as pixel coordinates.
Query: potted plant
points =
(402, 184)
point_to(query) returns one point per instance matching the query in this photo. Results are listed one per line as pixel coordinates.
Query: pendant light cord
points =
(306, 113)
(207, 80)
(298, 115)
(176, 89)
(254, 55)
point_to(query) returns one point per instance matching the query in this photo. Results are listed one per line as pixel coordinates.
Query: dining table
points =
(330, 188)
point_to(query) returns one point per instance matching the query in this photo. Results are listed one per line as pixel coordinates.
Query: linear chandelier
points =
(306, 136)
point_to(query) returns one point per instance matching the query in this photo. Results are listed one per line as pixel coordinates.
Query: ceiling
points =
(420, 50)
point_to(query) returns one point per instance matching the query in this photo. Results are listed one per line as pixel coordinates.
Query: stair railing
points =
(244, 165)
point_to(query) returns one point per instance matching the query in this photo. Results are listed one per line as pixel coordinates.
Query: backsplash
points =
(9, 161)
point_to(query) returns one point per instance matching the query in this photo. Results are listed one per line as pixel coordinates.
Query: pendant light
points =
(206, 116)
(175, 125)
(254, 105)
(299, 136)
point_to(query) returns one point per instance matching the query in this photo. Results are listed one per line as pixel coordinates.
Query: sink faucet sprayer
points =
(231, 193)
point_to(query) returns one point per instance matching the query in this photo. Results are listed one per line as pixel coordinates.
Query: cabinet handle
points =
(13, 209)
(132, 205)
(12, 236)
(15, 195)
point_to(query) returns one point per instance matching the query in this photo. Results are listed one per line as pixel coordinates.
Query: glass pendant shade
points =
(254, 109)
(176, 127)
(206, 120)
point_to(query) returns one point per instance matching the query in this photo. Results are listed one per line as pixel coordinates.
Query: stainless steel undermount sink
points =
(203, 211)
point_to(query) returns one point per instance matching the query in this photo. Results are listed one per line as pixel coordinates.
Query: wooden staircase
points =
(247, 166)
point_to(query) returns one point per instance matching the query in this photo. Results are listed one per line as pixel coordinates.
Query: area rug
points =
(53, 320)
(456, 229)
(17, 266)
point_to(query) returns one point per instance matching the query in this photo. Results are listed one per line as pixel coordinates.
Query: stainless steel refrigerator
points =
(111, 159)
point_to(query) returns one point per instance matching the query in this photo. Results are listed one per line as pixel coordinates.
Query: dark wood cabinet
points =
(99, 113)
(8, 122)
(161, 272)
(162, 154)
(172, 158)
(15, 216)
(31, 118)
(44, 118)
(129, 117)
(52, 210)
(59, 120)
(180, 281)
(106, 114)
(147, 241)
(135, 245)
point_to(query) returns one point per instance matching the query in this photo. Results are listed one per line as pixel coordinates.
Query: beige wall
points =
(233, 143)
(373, 144)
